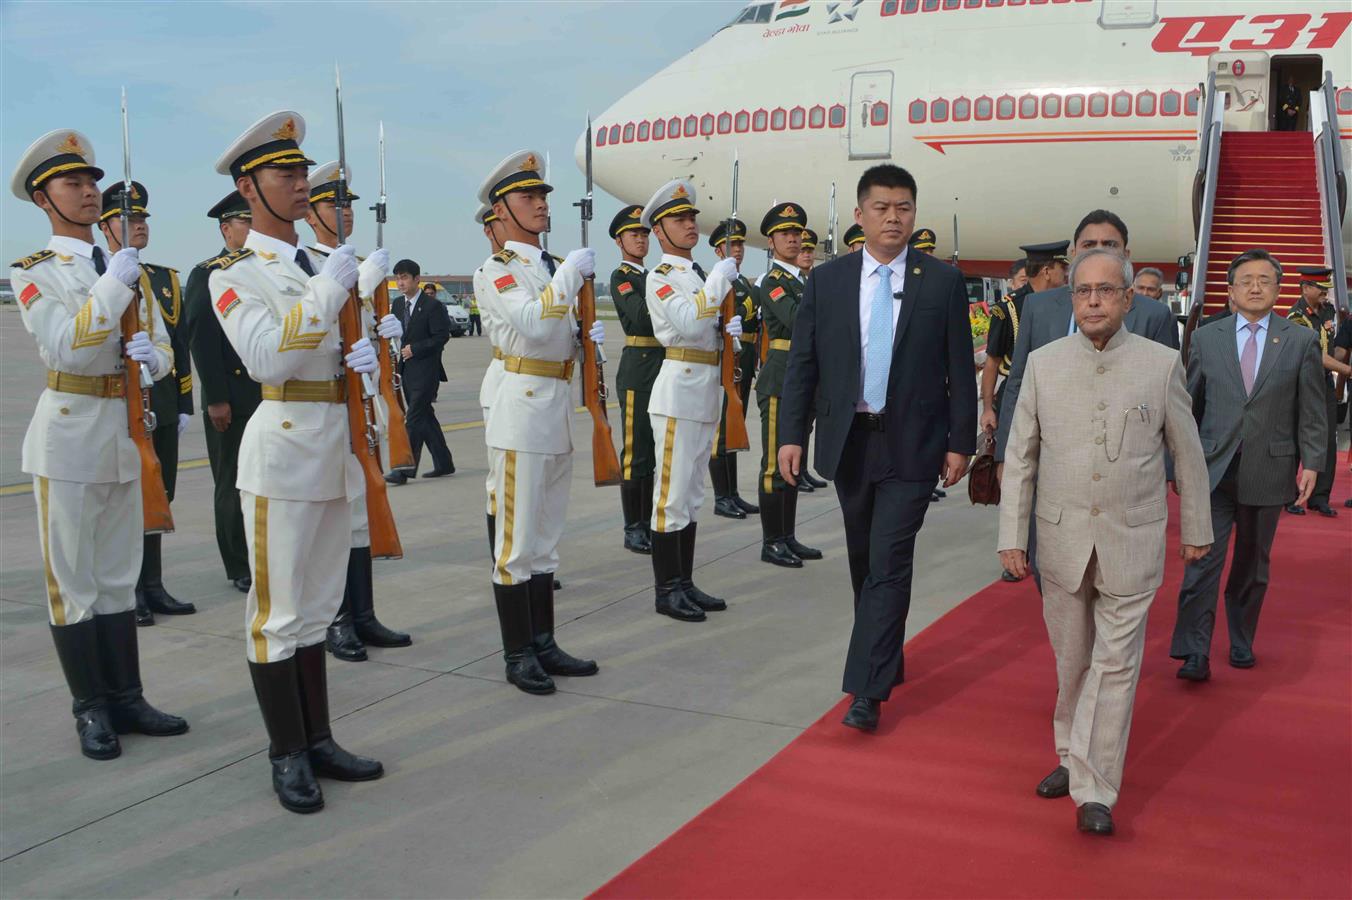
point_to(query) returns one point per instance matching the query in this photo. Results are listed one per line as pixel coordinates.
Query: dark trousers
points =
(883, 515)
(165, 441)
(1254, 528)
(475, 324)
(423, 427)
(1323, 483)
(223, 453)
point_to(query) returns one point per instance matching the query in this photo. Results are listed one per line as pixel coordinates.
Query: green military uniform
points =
(1301, 314)
(170, 397)
(854, 238)
(640, 362)
(922, 239)
(222, 378)
(722, 464)
(1004, 323)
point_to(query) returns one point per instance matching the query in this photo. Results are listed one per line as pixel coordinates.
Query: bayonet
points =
(831, 223)
(549, 219)
(380, 201)
(340, 200)
(147, 380)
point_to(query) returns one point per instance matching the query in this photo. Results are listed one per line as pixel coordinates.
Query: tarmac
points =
(488, 792)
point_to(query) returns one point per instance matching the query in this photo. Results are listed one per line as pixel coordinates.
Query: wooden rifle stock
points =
(401, 449)
(734, 423)
(605, 464)
(1194, 319)
(361, 420)
(158, 519)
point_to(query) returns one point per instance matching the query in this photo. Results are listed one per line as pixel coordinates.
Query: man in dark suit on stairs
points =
(427, 328)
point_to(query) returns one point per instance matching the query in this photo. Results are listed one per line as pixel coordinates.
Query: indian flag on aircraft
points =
(787, 9)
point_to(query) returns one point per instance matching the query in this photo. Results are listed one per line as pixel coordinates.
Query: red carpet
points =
(1240, 787)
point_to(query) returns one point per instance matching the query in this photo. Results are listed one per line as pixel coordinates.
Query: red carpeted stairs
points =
(1238, 787)
(1267, 196)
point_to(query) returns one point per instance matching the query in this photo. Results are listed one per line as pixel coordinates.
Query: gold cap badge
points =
(287, 132)
(71, 145)
(788, 211)
(680, 191)
(529, 165)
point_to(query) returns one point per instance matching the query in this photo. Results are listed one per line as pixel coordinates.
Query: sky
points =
(459, 86)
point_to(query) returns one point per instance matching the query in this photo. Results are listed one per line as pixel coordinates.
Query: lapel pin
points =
(1276, 340)
(915, 271)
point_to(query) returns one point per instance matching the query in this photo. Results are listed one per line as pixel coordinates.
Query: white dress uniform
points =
(492, 325)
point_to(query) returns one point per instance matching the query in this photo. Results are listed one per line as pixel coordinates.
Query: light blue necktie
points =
(879, 358)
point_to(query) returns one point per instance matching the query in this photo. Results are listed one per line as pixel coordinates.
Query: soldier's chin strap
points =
(663, 225)
(508, 205)
(253, 176)
(65, 218)
(320, 217)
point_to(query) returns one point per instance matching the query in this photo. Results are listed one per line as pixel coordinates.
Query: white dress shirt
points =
(1242, 338)
(76, 247)
(868, 286)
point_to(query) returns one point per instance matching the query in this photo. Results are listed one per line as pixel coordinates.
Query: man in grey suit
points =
(1091, 429)
(1257, 385)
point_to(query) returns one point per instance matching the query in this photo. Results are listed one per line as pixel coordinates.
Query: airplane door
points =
(871, 115)
(1243, 79)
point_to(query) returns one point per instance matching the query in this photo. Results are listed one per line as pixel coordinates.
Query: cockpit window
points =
(755, 13)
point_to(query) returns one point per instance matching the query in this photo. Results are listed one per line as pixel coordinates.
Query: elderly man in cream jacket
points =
(1098, 410)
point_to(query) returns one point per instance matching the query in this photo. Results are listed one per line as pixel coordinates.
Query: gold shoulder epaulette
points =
(505, 256)
(997, 311)
(628, 269)
(228, 260)
(775, 272)
(29, 262)
(663, 269)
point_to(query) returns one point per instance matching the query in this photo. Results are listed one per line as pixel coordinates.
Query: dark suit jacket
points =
(221, 375)
(1284, 420)
(426, 333)
(931, 390)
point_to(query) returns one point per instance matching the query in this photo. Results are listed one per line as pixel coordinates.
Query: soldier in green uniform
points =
(778, 294)
(807, 255)
(722, 464)
(229, 395)
(171, 398)
(923, 239)
(854, 239)
(807, 482)
(1310, 312)
(639, 364)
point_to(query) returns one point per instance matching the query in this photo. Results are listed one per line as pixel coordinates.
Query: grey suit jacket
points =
(1089, 436)
(1046, 318)
(1282, 422)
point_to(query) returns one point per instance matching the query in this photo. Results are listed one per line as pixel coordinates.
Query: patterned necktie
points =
(99, 265)
(879, 357)
(1248, 360)
(549, 263)
(303, 260)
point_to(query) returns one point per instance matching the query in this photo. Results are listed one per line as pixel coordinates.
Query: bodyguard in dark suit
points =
(229, 395)
(883, 341)
(427, 328)
(1258, 395)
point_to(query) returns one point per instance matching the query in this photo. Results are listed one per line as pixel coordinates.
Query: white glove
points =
(125, 266)
(379, 261)
(341, 266)
(362, 358)
(725, 269)
(598, 332)
(183, 420)
(389, 328)
(372, 272)
(584, 260)
(734, 326)
(141, 349)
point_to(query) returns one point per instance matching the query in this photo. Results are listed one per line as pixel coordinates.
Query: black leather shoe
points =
(294, 781)
(556, 661)
(1009, 576)
(1296, 509)
(98, 739)
(803, 486)
(376, 634)
(1094, 818)
(1324, 510)
(342, 641)
(863, 714)
(813, 480)
(674, 602)
(152, 581)
(935, 497)
(242, 583)
(1195, 668)
(144, 617)
(361, 596)
(778, 553)
(1348, 503)
(1242, 659)
(802, 551)
(706, 602)
(140, 717)
(331, 761)
(940, 493)
(397, 477)
(728, 508)
(745, 506)
(558, 585)
(161, 601)
(438, 473)
(524, 671)
(1056, 784)
(636, 539)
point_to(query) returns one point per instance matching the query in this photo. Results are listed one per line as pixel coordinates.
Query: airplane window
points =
(995, 3)
(643, 130)
(1028, 107)
(878, 113)
(691, 125)
(754, 13)
(760, 120)
(1171, 102)
(797, 117)
(743, 122)
(1098, 105)
(909, 6)
(601, 137)
(952, 4)
(1015, 2)
(837, 116)
(916, 112)
(889, 8)
(659, 129)
(983, 108)
(724, 123)
(1051, 107)
(1345, 100)
(777, 119)
(674, 127)
(939, 111)
(614, 134)
(1004, 107)
(816, 117)
(1192, 101)
(929, 5)
(706, 124)
(1122, 103)
(962, 109)
(1145, 103)
(1075, 106)
(629, 133)
(972, 4)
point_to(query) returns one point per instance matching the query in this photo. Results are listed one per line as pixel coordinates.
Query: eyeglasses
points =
(1250, 283)
(1085, 291)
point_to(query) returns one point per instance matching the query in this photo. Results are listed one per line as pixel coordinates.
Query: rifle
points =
(734, 434)
(831, 223)
(361, 413)
(391, 384)
(605, 464)
(137, 382)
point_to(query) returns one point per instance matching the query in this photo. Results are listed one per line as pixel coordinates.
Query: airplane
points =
(1014, 116)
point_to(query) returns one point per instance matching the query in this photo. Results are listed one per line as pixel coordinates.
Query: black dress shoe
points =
(802, 551)
(863, 714)
(437, 473)
(1195, 668)
(1296, 509)
(161, 601)
(558, 585)
(706, 602)
(1094, 818)
(524, 671)
(140, 717)
(813, 480)
(779, 554)
(1056, 784)
(1348, 503)
(294, 781)
(940, 493)
(935, 496)
(636, 539)
(331, 761)
(242, 583)
(98, 740)
(144, 617)
(803, 486)
(1324, 510)
(556, 661)
(728, 508)
(1242, 659)
(342, 641)
(1009, 576)
(672, 601)
(396, 477)
(752, 509)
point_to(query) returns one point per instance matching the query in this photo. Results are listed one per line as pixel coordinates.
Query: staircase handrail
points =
(1209, 168)
(1332, 181)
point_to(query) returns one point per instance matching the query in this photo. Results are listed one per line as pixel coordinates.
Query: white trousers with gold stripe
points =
(491, 480)
(298, 552)
(682, 447)
(361, 527)
(532, 494)
(91, 537)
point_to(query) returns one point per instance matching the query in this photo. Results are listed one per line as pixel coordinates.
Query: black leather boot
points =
(152, 582)
(277, 687)
(77, 647)
(144, 617)
(518, 640)
(120, 657)
(773, 548)
(724, 505)
(730, 460)
(671, 598)
(635, 527)
(493, 538)
(341, 638)
(802, 551)
(706, 602)
(326, 757)
(364, 619)
(552, 659)
(645, 495)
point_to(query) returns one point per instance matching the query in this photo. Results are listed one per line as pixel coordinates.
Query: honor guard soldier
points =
(807, 482)
(778, 294)
(356, 624)
(170, 398)
(854, 239)
(923, 240)
(640, 362)
(534, 295)
(86, 469)
(1315, 283)
(229, 395)
(722, 464)
(684, 306)
(278, 304)
(493, 228)
(807, 251)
